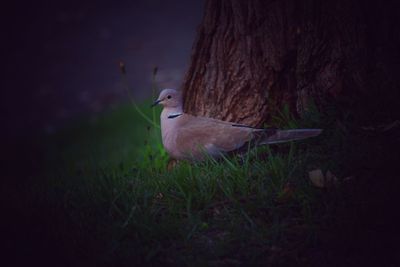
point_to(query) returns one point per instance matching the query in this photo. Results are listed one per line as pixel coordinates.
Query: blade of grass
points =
(126, 86)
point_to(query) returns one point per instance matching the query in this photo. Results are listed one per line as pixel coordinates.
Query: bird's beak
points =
(156, 103)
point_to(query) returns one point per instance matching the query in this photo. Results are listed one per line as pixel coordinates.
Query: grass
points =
(106, 198)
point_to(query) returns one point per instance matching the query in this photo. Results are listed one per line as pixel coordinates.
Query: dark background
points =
(61, 57)
(60, 60)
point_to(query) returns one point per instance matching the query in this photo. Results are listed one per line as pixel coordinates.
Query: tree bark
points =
(252, 57)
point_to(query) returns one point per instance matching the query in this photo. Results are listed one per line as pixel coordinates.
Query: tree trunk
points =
(252, 57)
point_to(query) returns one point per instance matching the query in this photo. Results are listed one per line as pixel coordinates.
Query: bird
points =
(194, 138)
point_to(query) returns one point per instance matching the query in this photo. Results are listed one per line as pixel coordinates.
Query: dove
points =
(189, 137)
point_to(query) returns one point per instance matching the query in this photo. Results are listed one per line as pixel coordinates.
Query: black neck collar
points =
(174, 115)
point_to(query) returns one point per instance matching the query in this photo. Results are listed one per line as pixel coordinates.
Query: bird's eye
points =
(169, 97)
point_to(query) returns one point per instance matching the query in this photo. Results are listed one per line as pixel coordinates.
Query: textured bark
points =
(251, 57)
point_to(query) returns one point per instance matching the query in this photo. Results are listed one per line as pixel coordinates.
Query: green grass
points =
(112, 201)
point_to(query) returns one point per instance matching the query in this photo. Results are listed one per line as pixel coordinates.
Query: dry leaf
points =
(317, 178)
(171, 164)
(286, 195)
(391, 126)
(216, 211)
(348, 178)
(331, 179)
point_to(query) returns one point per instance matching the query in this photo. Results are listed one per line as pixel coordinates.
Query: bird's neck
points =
(171, 112)
(170, 118)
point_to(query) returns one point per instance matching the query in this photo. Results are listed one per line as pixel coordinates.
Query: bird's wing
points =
(198, 135)
(195, 134)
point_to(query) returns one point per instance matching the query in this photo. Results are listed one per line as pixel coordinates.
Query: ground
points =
(101, 195)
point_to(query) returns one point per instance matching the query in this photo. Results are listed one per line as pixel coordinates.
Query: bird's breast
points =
(169, 134)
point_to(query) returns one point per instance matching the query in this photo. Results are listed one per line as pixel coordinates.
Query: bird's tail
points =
(281, 136)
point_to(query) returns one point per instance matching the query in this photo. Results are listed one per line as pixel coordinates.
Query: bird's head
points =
(169, 98)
